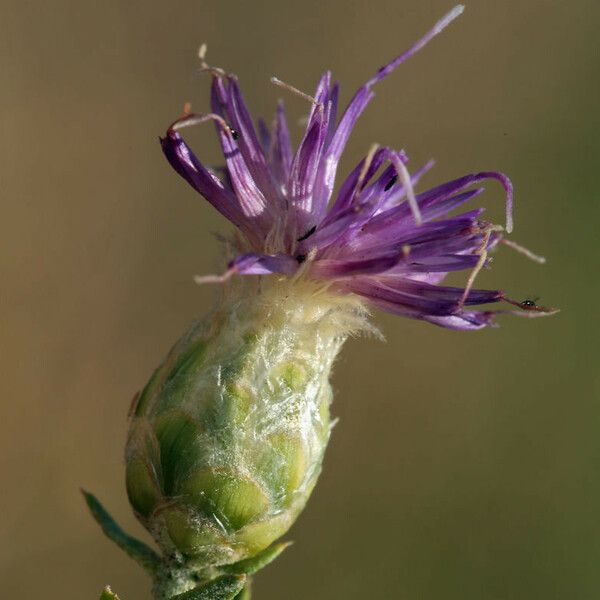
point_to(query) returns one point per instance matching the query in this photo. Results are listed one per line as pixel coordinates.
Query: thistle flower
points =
(227, 438)
(378, 239)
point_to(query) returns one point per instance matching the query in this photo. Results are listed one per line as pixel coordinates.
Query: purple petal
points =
(304, 168)
(437, 263)
(280, 154)
(354, 205)
(308, 156)
(374, 239)
(321, 96)
(333, 153)
(247, 140)
(333, 269)
(264, 135)
(389, 191)
(263, 264)
(430, 200)
(330, 233)
(348, 190)
(463, 321)
(333, 102)
(250, 196)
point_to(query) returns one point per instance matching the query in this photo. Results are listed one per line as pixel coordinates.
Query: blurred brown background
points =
(465, 466)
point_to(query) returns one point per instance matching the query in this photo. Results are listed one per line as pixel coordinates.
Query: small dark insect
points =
(390, 183)
(234, 134)
(307, 234)
(530, 304)
(301, 258)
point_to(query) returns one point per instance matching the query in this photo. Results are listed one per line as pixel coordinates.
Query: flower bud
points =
(227, 438)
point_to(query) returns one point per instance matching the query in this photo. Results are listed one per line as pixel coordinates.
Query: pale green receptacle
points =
(227, 439)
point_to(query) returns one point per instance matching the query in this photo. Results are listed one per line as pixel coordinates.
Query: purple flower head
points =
(377, 238)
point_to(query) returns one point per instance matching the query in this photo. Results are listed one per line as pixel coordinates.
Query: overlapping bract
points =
(376, 238)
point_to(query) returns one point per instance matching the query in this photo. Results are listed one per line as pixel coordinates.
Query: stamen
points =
(524, 251)
(204, 66)
(296, 91)
(404, 176)
(482, 251)
(196, 119)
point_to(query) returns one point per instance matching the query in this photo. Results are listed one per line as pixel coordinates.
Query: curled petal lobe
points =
(183, 160)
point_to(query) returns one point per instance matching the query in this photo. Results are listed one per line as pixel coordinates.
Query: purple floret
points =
(376, 238)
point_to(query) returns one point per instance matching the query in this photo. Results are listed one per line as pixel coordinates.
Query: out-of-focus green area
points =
(465, 466)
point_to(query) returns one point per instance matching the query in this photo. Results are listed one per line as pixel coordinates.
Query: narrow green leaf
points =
(225, 587)
(108, 594)
(249, 566)
(140, 552)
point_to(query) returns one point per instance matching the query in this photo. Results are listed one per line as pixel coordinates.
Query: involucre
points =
(227, 438)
